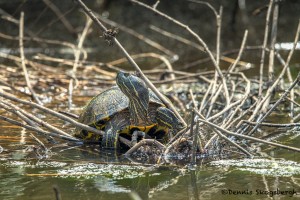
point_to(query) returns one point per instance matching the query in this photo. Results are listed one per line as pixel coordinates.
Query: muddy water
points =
(80, 173)
(83, 173)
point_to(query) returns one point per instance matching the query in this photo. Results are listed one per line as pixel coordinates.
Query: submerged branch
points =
(52, 112)
(249, 137)
(37, 130)
(150, 142)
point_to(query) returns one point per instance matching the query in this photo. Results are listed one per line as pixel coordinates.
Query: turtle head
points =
(138, 94)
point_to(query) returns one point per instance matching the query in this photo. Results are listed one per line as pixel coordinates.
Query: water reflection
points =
(22, 179)
(87, 172)
(104, 184)
(282, 168)
(193, 189)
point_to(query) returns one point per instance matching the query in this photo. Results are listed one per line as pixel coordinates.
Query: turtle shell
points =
(107, 104)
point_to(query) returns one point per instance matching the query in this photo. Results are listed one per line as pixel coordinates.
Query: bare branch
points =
(23, 59)
(131, 61)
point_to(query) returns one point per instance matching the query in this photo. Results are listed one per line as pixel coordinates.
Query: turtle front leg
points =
(110, 137)
(135, 136)
(167, 118)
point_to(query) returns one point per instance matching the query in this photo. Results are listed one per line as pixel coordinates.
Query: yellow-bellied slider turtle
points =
(130, 106)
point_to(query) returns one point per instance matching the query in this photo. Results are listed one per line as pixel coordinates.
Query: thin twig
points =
(174, 141)
(15, 109)
(60, 16)
(244, 98)
(204, 99)
(290, 78)
(290, 125)
(141, 37)
(197, 46)
(46, 68)
(39, 141)
(143, 142)
(80, 44)
(199, 133)
(39, 40)
(19, 112)
(10, 18)
(233, 143)
(271, 89)
(145, 55)
(223, 136)
(249, 137)
(177, 37)
(262, 59)
(219, 25)
(194, 134)
(76, 61)
(296, 118)
(52, 112)
(70, 93)
(57, 192)
(40, 131)
(131, 61)
(156, 4)
(23, 60)
(232, 67)
(273, 41)
(197, 38)
(297, 80)
(272, 52)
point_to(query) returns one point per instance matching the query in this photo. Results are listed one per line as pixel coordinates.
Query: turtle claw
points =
(135, 136)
